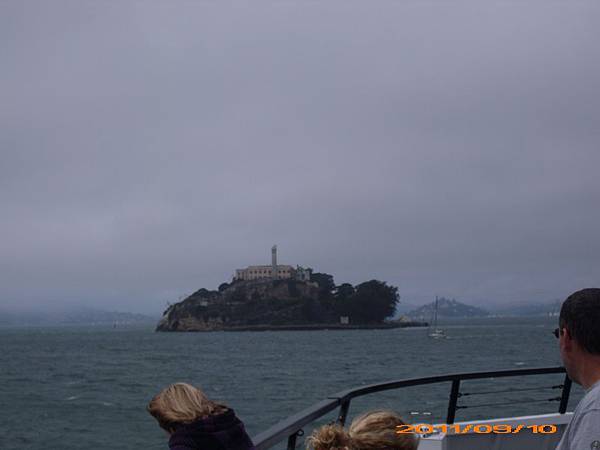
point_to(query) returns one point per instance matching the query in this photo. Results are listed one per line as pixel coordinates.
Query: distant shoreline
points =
(307, 327)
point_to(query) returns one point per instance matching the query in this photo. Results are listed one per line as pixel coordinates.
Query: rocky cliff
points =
(247, 303)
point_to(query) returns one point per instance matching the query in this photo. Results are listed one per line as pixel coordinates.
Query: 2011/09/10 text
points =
(481, 428)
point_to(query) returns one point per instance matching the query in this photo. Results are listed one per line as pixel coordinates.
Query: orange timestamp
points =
(480, 428)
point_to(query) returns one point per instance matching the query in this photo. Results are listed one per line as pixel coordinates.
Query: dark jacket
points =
(221, 432)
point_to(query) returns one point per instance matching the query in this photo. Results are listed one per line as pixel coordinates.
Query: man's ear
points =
(567, 339)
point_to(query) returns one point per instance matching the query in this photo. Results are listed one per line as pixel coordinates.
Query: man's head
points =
(579, 338)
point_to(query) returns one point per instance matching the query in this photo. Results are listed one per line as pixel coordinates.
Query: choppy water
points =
(74, 388)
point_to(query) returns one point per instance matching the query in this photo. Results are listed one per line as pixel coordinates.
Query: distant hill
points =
(74, 316)
(548, 309)
(403, 309)
(449, 308)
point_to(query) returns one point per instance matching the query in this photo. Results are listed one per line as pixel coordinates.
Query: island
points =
(448, 308)
(283, 297)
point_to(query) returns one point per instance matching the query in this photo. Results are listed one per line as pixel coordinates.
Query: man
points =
(579, 343)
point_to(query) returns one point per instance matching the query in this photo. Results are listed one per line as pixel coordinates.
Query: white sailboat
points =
(434, 331)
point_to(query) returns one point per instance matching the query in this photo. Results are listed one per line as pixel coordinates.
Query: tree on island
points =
(342, 296)
(344, 291)
(325, 282)
(371, 302)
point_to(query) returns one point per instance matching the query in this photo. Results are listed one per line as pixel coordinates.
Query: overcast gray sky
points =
(151, 148)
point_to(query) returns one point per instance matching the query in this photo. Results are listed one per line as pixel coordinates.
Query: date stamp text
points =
(480, 428)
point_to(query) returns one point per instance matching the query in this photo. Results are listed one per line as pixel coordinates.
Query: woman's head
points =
(375, 430)
(181, 403)
(378, 430)
(329, 437)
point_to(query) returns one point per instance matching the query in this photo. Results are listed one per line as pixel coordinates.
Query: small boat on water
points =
(435, 332)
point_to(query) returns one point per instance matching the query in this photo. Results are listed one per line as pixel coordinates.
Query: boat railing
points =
(292, 427)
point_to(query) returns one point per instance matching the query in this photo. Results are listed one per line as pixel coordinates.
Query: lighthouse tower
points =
(274, 262)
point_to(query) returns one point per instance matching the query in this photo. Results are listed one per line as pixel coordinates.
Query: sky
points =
(148, 149)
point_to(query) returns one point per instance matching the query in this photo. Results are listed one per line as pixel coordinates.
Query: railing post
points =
(292, 442)
(344, 407)
(292, 439)
(564, 398)
(453, 399)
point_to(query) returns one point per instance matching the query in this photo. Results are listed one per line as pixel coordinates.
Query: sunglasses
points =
(556, 332)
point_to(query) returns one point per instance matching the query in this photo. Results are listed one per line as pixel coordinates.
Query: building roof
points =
(286, 266)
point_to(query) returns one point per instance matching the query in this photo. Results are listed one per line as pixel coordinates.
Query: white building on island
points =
(274, 271)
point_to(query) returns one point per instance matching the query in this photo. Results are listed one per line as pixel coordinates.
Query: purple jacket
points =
(221, 432)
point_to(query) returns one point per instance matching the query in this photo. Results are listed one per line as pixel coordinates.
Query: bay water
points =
(88, 387)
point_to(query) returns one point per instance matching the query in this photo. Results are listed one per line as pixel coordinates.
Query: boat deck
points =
(514, 433)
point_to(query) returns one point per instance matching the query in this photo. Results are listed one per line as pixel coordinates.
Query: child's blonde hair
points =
(182, 403)
(375, 430)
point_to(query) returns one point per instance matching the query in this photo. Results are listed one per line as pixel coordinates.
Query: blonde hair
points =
(182, 403)
(375, 430)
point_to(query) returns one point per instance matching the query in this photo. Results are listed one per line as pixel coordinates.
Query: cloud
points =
(150, 149)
